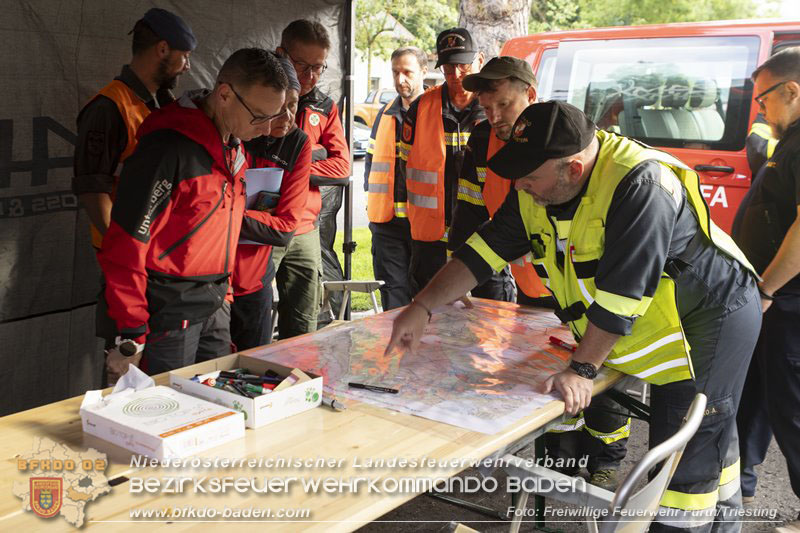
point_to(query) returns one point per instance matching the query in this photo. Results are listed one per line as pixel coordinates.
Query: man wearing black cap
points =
(506, 86)
(107, 125)
(162, 44)
(435, 134)
(647, 283)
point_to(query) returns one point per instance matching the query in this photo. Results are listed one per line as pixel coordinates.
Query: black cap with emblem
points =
(455, 46)
(549, 130)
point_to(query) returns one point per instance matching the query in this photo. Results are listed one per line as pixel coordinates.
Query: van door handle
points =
(714, 168)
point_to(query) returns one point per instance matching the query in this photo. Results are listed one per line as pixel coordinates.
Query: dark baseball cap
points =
(171, 28)
(549, 130)
(455, 46)
(499, 68)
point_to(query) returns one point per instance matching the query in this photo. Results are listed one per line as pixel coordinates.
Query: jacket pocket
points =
(185, 237)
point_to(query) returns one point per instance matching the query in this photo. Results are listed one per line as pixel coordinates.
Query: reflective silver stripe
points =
(118, 171)
(379, 188)
(563, 427)
(481, 173)
(684, 519)
(647, 349)
(239, 161)
(683, 361)
(469, 192)
(585, 292)
(729, 489)
(379, 167)
(428, 202)
(421, 176)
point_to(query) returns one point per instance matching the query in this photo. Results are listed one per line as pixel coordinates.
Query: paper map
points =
(476, 368)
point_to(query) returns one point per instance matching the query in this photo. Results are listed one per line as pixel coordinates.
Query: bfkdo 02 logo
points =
(46, 495)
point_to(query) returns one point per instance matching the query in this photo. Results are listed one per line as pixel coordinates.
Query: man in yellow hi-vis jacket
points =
(621, 235)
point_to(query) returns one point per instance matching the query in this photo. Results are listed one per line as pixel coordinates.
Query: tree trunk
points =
(493, 22)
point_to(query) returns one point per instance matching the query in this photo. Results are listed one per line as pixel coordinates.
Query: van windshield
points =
(691, 92)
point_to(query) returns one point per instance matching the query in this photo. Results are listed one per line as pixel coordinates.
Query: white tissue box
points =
(159, 422)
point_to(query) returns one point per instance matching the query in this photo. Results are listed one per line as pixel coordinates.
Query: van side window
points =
(545, 74)
(691, 92)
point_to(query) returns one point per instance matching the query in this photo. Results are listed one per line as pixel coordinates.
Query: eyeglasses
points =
(451, 68)
(257, 120)
(302, 67)
(760, 98)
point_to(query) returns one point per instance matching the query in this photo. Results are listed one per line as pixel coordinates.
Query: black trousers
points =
(704, 493)
(391, 258)
(168, 350)
(427, 258)
(251, 314)
(600, 417)
(778, 357)
(752, 420)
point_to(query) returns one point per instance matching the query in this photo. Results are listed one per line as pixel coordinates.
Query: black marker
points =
(372, 388)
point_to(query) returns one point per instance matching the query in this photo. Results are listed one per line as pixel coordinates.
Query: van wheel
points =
(360, 120)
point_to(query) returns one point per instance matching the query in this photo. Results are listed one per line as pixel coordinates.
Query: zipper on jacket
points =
(192, 231)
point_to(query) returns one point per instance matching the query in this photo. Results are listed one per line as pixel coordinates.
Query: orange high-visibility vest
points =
(425, 170)
(133, 112)
(380, 183)
(495, 190)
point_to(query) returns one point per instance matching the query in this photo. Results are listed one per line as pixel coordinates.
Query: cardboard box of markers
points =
(284, 391)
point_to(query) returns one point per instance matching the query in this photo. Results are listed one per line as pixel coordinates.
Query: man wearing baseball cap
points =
(162, 44)
(107, 125)
(506, 86)
(434, 139)
(647, 283)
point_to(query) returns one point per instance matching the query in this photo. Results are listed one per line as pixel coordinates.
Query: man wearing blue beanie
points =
(107, 125)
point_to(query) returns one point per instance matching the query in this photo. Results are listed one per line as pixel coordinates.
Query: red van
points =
(684, 87)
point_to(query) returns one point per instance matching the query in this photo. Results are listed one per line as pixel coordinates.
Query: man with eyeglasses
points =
(435, 134)
(767, 228)
(286, 147)
(170, 248)
(300, 265)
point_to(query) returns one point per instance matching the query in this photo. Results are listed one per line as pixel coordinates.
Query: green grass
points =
(362, 265)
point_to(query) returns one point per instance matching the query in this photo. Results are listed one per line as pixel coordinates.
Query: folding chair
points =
(347, 287)
(625, 510)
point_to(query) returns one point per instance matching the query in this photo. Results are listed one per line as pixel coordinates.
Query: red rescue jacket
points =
(318, 116)
(169, 251)
(292, 153)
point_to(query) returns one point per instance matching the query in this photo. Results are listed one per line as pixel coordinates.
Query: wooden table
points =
(362, 431)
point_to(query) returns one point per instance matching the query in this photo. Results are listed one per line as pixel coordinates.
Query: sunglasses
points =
(257, 120)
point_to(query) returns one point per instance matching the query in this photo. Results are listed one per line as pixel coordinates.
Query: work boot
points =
(747, 500)
(605, 478)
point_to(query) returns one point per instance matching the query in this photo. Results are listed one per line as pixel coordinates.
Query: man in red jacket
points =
(299, 265)
(169, 250)
(286, 147)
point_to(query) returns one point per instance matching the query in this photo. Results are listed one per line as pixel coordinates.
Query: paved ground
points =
(427, 514)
